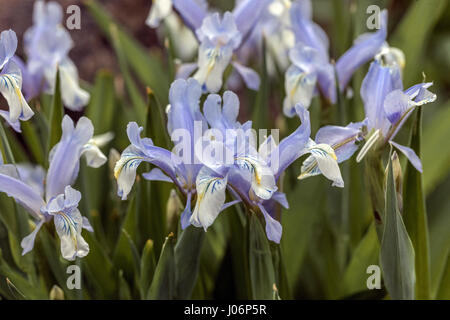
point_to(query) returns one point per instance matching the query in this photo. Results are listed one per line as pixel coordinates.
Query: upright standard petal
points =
(65, 156)
(193, 12)
(308, 32)
(47, 13)
(8, 46)
(210, 198)
(293, 146)
(377, 84)
(222, 118)
(396, 104)
(184, 98)
(361, 52)
(219, 37)
(247, 13)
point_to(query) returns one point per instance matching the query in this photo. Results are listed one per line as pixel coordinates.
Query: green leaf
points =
(359, 207)
(415, 214)
(187, 259)
(239, 237)
(397, 251)
(148, 265)
(420, 19)
(56, 116)
(164, 281)
(156, 119)
(282, 285)
(261, 107)
(133, 91)
(124, 289)
(438, 206)
(31, 136)
(101, 108)
(298, 224)
(436, 168)
(211, 259)
(22, 284)
(5, 148)
(99, 269)
(123, 256)
(366, 254)
(52, 256)
(444, 288)
(262, 273)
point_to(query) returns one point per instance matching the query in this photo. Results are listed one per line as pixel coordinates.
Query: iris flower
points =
(47, 196)
(11, 82)
(311, 63)
(47, 46)
(215, 153)
(386, 105)
(219, 39)
(160, 10)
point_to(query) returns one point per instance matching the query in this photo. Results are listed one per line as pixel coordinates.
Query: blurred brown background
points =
(91, 51)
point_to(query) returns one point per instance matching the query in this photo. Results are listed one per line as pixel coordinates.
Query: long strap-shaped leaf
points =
(262, 273)
(397, 251)
(56, 115)
(416, 216)
(164, 279)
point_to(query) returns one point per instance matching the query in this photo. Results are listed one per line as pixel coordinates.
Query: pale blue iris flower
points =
(219, 39)
(47, 45)
(386, 105)
(159, 11)
(182, 167)
(50, 195)
(218, 154)
(11, 82)
(255, 174)
(311, 63)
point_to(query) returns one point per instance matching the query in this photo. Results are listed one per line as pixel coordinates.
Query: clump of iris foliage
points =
(107, 191)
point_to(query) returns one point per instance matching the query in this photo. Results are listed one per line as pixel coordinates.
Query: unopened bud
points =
(113, 157)
(174, 208)
(56, 293)
(398, 178)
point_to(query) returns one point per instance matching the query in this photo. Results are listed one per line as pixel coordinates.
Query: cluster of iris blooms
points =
(251, 173)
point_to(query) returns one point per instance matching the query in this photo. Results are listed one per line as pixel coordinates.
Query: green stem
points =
(375, 177)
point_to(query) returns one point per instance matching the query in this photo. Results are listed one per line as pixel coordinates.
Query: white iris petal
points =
(210, 198)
